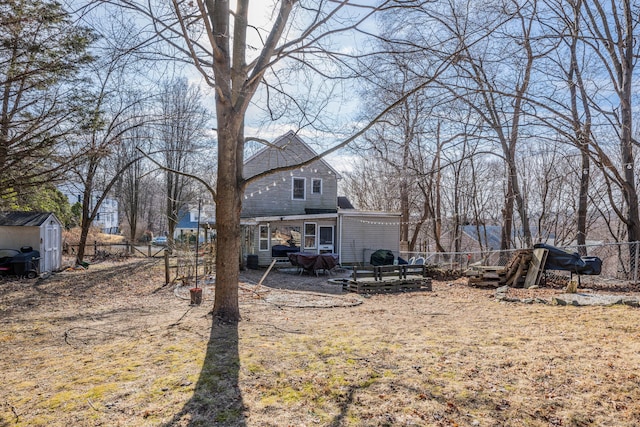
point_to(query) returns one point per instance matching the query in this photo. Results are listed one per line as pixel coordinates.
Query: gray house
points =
(299, 210)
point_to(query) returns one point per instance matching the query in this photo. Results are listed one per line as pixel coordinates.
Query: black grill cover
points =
(382, 257)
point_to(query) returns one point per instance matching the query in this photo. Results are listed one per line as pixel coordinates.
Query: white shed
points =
(40, 230)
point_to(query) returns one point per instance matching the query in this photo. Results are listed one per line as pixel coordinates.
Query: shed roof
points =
(24, 219)
(344, 203)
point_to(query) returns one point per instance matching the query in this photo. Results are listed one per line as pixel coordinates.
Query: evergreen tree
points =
(41, 52)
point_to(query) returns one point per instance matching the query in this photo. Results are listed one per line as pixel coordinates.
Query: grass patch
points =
(87, 352)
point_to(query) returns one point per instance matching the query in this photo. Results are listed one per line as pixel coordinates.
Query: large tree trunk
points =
(629, 186)
(626, 147)
(228, 206)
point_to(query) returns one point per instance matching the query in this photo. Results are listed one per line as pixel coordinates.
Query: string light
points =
(363, 221)
(275, 183)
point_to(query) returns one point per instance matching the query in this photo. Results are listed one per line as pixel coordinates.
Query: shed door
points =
(51, 247)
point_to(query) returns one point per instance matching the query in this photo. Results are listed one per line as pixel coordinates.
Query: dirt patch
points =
(113, 346)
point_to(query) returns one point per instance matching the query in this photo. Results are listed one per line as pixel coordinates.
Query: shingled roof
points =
(344, 203)
(24, 219)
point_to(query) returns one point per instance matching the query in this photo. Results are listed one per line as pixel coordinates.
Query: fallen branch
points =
(67, 334)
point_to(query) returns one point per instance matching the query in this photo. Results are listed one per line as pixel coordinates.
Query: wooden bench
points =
(389, 278)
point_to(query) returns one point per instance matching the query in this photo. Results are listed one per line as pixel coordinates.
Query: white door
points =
(326, 244)
(51, 248)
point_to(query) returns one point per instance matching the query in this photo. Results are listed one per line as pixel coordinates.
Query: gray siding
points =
(272, 196)
(264, 256)
(363, 234)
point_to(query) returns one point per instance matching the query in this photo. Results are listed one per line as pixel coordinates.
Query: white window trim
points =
(314, 180)
(293, 179)
(315, 235)
(260, 239)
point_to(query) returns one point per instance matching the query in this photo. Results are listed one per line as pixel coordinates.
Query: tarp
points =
(312, 262)
(558, 259)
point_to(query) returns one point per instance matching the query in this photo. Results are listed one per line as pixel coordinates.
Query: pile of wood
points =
(524, 269)
(389, 278)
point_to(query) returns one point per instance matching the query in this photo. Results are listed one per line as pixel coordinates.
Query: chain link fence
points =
(620, 261)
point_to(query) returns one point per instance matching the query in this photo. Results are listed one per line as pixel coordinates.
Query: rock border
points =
(577, 299)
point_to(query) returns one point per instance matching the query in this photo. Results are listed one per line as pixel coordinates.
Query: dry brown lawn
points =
(112, 346)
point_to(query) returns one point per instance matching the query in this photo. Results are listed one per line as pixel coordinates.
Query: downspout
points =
(339, 233)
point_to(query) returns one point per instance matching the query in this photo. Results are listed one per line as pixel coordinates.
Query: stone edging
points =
(577, 299)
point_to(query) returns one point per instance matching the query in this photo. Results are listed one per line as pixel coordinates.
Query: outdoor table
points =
(311, 262)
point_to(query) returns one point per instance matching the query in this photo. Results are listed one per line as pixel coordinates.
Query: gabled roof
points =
(24, 219)
(286, 139)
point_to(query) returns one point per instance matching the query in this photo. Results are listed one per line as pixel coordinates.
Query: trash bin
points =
(252, 262)
(26, 263)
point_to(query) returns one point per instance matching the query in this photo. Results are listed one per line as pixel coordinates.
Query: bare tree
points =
(220, 43)
(372, 184)
(503, 116)
(611, 33)
(113, 112)
(133, 188)
(180, 131)
(596, 45)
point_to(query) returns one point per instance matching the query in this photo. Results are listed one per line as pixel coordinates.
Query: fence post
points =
(635, 265)
(95, 247)
(167, 277)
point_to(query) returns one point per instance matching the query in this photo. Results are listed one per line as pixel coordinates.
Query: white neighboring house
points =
(107, 218)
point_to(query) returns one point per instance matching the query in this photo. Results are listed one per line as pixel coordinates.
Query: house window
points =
(264, 238)
(288, 235)
(309, 235)
(316, 186)
(298, 188)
